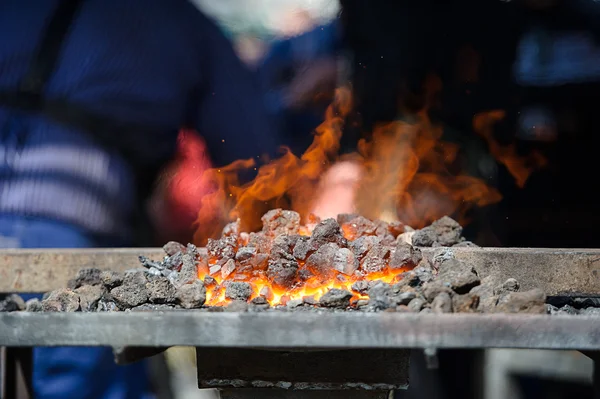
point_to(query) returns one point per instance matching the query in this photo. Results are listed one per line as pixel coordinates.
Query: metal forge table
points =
(279, 354)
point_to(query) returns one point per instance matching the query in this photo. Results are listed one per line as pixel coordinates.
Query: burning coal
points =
(352, 263)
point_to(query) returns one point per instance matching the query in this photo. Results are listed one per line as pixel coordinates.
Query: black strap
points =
(131, 141)
(48, 52)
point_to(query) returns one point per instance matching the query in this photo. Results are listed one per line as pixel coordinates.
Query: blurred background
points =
(527, 216)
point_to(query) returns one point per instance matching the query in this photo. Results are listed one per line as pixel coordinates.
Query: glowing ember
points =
(287, 261)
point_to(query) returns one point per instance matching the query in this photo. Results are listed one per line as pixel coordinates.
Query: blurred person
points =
(299, 76)
(92, 96)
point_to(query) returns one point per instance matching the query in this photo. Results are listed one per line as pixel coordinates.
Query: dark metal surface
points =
(300, 330)
(354, 369)
(16, 368)
(556, 271)
(269, 394)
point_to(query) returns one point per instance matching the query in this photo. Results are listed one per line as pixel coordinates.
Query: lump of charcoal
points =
(424, 271)
(362, 245)
(111, 279)
(432, 289)
(192, 296)
(442, 303)
(232, 229)
(294, 303)
(448, 232)
(305, 275)
(405, 298)
(485, 292)
(188, 272)
(237, 306)
(460, 276)
(160, 290)
(565, 310)
(322, 262)
(149, 263)
(107, 306)
(445, 232)
(346, 217)
(310, 300)
(467, 303)
(89, 295)
(407, 279)
(227, 269)
(376, 259)
(302, 248)
(532, 301)
(405, 256)
(282, 273)
(135, 277)
(327, 231)
(359, 226)
(192, 250)
(154, 272)
(283, 247)
(133, 292)
(33, 305)
(406, 238)
(381, 297)
(223, 248)
(174, 261)
(416, 305)
(63, 300)
(510, 285)
(388, 241)
(336, 298)
(238, 291)
(245, 254)
(89, 276)
(345, 262)
(424, 237)
(277, 221)
(172, 247)
(261, 242)
(259, 300)
(12, 303)
(214, 269)
(360, 287)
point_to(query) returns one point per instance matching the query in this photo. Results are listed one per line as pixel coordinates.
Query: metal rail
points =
(556, 271)
(299, 330)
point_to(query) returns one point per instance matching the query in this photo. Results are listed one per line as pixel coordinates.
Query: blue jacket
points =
(137, 60)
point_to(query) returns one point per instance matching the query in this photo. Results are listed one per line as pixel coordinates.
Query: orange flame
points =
(519, 167)
(408, 174)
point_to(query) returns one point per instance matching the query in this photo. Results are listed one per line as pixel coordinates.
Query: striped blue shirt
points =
(134, 60)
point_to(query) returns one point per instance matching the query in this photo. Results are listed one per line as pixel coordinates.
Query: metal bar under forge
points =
(556, 271)
(300, 330)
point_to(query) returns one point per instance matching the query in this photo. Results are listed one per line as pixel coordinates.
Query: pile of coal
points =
(352, 251)
(584, 306)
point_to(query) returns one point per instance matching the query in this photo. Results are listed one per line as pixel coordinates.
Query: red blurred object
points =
(182, 188)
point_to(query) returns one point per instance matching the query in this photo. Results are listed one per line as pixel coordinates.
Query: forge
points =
(323, 311)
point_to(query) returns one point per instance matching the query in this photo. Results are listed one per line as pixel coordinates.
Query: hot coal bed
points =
(348, 264)
(329, 268)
